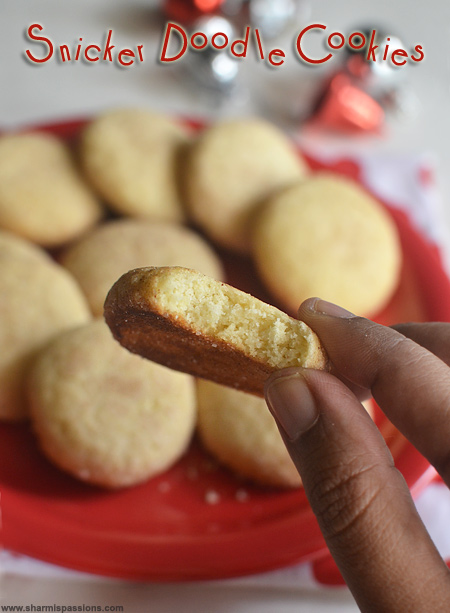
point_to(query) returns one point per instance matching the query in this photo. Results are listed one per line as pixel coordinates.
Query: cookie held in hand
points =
(190, 322)
(113, 248)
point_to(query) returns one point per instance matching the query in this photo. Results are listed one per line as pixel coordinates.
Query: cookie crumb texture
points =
(110, 250)
(190, 322)
(106, 416)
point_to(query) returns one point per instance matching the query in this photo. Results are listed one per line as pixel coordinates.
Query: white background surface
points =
(30, 93)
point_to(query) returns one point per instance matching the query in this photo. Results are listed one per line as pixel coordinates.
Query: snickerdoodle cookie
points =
(38, 299)
(230, 170)
(106, 416)
(130, 156)
(98, 259)
(42, 196)
(190, 322)
(327, 237)
(238, 429)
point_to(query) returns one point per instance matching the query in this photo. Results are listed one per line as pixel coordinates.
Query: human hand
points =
(361, 501)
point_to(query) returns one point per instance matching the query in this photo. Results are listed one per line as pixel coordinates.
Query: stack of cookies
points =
(140, 190)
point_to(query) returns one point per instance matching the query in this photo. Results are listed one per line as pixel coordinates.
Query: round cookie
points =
(106, 416)
(230, 170)
(183, 319)
(42, 197)
(39, 299)
(98, 259)
(238, 429)
(12, 245)
(327, 237)
(130, 157)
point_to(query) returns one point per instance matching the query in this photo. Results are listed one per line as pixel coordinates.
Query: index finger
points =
(409, 383)
(434, 336)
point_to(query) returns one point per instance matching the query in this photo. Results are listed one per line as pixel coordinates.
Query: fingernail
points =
(292, 404)
(328, 308)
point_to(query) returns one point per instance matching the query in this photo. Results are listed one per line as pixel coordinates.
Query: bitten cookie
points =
(230, 170)
(130, 157)
(110, 250)
(327, 237)
(38, 299)
(105, 416)
(238, 429)
(42, 196)
(187, 321)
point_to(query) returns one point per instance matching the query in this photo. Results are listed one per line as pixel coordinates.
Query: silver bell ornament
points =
(381, 80)
(209, 67)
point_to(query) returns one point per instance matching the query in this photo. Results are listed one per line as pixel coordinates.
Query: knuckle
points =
(404, 355)
(342, 499)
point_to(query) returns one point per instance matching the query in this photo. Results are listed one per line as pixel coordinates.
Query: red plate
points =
(166, 529)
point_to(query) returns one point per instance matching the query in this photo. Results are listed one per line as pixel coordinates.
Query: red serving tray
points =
(165, 530)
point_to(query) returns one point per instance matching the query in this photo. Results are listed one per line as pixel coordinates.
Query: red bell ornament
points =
(188, 11)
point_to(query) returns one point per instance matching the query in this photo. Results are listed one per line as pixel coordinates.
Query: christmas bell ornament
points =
(212, 68)
(188, 11)
(379, 79)
(343, 107)
(272, 16)
(358, 96)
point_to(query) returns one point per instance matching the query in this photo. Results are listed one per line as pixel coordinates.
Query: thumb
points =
(362, 503)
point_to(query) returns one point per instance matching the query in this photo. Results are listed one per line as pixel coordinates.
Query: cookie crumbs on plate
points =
(241, 495)
(212, 497)
(164, 487)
